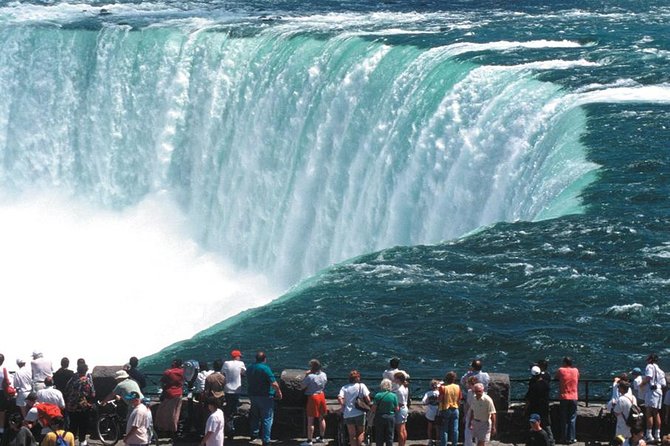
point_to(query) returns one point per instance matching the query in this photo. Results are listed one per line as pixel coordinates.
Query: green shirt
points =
(386, 402)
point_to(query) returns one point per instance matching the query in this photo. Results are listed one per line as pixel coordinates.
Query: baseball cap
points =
(131, 396)
(636, 371)
(535, 370)
(534, 418)
(235, 353)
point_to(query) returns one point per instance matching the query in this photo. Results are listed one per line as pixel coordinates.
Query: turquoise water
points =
(436, 181)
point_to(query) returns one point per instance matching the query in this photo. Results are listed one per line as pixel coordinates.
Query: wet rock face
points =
(499, 390)
(290, 382)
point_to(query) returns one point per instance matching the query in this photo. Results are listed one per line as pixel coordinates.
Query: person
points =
(79, 396)
(636, 438)
(215, 425)
(654, 378)
(568, 381)
(172, 383)
(20, 433)
(199, 384)
(354, 418)
(401, 389)
(313, 384)
(537, 436)
(394, 364)
(5, 400)
(135, 373)
(621, 408)
(543, 364)
(385, 405)
(233, 370)
(467, 404)
(482, 416)
(23, 383)
(62, 375)
(263, 389)
(138, 425)
(476, 370)
(124, 385)
(537, 399)
(40, 368)
(638, 386)
(57, 426)
(449, 397)
(197, 405)
(215, 384)
(50, 394)
(430, 402)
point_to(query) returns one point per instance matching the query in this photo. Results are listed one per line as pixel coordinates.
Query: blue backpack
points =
(60, 441)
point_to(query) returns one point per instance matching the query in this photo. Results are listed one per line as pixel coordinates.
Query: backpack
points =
(635, 417)
(60, 440)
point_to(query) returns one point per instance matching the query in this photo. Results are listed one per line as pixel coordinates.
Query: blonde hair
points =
(386, 384)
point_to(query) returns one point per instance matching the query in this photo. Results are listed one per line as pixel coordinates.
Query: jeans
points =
(569, 420)
(449, 428)
(261, 416)
(232, 403)
(384, 427)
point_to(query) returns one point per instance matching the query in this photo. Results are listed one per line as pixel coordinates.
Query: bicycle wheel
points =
(108, 430)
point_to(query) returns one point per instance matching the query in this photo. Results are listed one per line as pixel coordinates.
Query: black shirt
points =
(62, 377)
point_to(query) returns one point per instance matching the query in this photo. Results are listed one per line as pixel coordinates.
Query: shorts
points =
(316, 405)
(653, 398)
(481, 430)
(401, 416)
(358, 420)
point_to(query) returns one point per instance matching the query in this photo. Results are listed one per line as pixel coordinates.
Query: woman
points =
(385, 407)
(172, 381)
(79, 397)
(354, 418)
(402, 392)
(57, 425)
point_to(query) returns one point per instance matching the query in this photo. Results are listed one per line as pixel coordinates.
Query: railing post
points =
(587, 393)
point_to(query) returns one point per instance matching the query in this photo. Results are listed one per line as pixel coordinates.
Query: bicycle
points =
(111, 425)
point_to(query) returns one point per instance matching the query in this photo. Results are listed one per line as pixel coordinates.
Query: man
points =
(636, 438)
(537, 436)
(389, 373)
(215, 384)
(622, 408)
(638, 387)
(263, 389)
(135, 373)
(313, 385)
(41, 368)
(50, 394)
(124, 385)
(537, 399)
(23, 383)
(449, 397)
(654, 378)
(233, 370)
(568, 381)
(214, 428)
(138, 432)
(62, 375)
(482, 416)
(476, 371)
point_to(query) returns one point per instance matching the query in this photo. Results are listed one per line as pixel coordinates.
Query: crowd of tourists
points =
(40, 405)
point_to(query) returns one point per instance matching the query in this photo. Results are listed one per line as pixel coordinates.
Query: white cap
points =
(535, 370)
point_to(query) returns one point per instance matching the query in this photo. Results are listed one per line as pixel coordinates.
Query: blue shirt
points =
(260, 379)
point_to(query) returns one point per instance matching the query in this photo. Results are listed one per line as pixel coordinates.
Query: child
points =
(430, 400)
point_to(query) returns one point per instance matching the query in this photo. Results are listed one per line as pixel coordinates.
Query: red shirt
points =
(568, 379)
(173, 382)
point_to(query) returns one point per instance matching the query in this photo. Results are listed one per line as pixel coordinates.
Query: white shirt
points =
(41, 368)
(23, 380)
(349, 393)
(403, 395)
(200, 380)
(140, 417)
(215, 425)
(233, 371)
(622, 410)
(51, 395)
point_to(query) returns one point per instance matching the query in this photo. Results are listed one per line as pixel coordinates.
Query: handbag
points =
(9, 389)
(360, 402)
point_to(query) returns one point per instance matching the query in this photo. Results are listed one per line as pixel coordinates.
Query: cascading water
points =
(287, 152)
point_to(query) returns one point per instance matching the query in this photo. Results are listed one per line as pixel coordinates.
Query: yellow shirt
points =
(50, 438)
(450, 396)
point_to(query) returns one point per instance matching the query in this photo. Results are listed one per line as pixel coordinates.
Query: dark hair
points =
(394, 363)
(476, 364)
(567, 361)
(652, 358)
(314, 365)
(623, 387)
(260, 356)
(450, 377)
(210, 400)
(543, 364)
(354, 376)
(65, 363)
(48, 381)
(401, 377)
(32, 396)
(203, 365)
(82, 369)
(81, 361)
(133, 361)
(218, 364)
(177, 362)
(2, 358)
(58, 422)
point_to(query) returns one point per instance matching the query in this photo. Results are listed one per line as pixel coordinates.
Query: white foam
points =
(105, 285)
(644, 94)
(504, 45)
(623, 309)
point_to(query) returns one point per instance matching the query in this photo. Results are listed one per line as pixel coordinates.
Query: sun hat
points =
(121, 374)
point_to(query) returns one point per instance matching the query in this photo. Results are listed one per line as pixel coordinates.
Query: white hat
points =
(535, 370)
(121, 374)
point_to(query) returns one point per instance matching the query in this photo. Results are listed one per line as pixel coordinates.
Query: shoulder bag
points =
(360, 402)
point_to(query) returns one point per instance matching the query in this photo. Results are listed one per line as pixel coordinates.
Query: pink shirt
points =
(568, 378)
